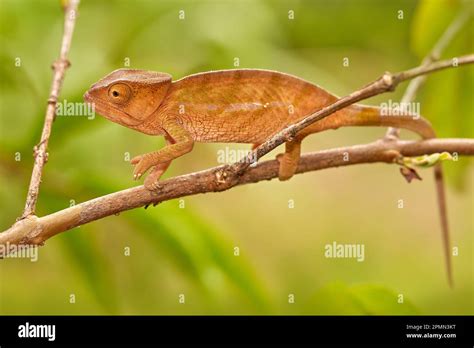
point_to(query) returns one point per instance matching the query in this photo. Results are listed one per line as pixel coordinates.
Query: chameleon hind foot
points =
(289, 160)
(287, 167)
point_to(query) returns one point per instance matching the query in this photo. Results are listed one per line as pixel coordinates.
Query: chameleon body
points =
(241, 106)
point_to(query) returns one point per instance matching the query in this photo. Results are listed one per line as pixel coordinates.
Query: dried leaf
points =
(409, 174)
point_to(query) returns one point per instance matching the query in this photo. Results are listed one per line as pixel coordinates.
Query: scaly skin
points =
(241, 106)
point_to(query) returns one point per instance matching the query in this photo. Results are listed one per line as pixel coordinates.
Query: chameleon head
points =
(128, 96)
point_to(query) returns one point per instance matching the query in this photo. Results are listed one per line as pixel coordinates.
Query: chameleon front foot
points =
(142, 163)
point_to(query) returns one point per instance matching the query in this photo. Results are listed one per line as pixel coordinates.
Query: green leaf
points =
(427, 160)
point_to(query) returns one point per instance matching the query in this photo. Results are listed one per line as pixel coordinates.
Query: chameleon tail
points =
(362, 115)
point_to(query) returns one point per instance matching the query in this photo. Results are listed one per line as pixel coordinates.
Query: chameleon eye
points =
(120, 93)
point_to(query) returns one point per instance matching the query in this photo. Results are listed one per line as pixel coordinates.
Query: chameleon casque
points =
(229, 106)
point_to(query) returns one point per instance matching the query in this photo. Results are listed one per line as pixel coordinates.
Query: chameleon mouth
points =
(110, 112)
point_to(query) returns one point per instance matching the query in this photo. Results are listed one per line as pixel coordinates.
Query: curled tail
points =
(361, 115)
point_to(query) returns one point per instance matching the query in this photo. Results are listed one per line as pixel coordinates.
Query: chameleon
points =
(229, 106)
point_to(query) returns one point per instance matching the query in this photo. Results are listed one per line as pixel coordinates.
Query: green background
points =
(190, 250)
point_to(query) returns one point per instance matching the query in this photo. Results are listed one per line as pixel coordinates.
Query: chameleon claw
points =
(154, 186)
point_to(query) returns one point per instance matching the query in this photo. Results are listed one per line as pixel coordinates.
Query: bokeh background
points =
(187, 247)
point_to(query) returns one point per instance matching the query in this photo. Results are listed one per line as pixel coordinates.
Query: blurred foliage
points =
(452, 113)
(360, 299)
(176, 249)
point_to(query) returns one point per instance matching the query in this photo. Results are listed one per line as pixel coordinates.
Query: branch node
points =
(227, 177)
(221, 176)
(289, 134)
(389, 81)
(395, 155)
(52, 100)
(61, 63)
(391, 136)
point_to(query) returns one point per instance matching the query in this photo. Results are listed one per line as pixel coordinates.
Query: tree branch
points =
(59, 67)
(35, 231)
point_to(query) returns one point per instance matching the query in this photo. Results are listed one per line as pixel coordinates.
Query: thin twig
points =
(433, 56)
(59, 67)
(35, 231)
